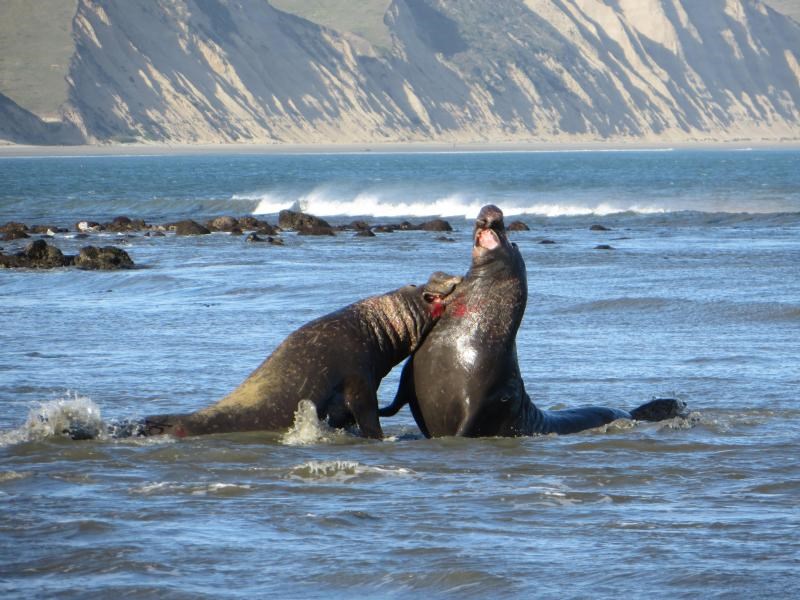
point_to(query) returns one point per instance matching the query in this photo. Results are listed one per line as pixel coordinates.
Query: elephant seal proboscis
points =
(464, 379)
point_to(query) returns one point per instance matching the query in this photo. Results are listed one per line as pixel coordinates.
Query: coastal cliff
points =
(217, 71)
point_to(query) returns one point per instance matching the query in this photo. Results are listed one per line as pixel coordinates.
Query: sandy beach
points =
(16, 150)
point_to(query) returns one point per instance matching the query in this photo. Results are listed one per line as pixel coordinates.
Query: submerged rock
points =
(189, 227)
(250, 223)
(36, 255)
(598, 227)
(41, 255)
(316, 230)
(357, 226)
(518, 226)
(298, 221)
(222, 224)
(107, 258)
(14, 231)
(255, 239)
(122, 224)
(14, 234)
(435, 225)
(265, 228)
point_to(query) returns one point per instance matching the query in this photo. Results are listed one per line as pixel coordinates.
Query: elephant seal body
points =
(337, 362)
(464, 379)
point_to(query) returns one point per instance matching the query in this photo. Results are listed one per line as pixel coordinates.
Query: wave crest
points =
(392, 202)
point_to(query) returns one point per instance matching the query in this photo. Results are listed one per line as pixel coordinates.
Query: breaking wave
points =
(328, 202)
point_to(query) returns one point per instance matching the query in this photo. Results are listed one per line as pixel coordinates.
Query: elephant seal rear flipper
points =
(659, 409)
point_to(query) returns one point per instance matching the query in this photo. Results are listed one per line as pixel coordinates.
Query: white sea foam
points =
(56, 418)
(342, 470)
(193, 489)
(327, 201)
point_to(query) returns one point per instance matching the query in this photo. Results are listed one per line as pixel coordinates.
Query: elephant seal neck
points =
(397, 323)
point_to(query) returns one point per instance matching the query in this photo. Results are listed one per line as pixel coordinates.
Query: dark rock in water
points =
(189, 227)
(316, 230)
(37, 255)
(122, 224)
(152, 234)
(13, 226)
(236, 231)
(250, 223)
(107, 258)
(14, 231)
(384, 229)
(358, 226)
(222, 224)
(14, 234)
(406, 226)
(265, 228)
(289, 219)
(364, 233)
(518, 226)
(83, 236)
(436, 225)
(598, 227)
(604, 247)
(546, 242)
(47, 229)
(253, 238)
(444, 238)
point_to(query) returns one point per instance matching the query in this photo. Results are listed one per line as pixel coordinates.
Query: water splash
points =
(308, 429)
(72, 416)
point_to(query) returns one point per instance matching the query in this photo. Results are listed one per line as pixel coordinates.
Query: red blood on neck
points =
(437, 309)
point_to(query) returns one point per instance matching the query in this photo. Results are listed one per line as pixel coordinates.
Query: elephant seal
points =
(464, 379)
(336, 361)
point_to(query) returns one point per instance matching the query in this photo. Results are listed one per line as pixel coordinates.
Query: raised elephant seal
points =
(464, 378)
(336, 361)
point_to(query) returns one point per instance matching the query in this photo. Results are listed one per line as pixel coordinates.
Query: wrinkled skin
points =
(464, 379)
(337, 362)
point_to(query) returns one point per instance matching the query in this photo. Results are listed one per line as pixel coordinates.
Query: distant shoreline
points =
(22, 151)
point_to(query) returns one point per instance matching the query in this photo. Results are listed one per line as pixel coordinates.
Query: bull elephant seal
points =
(336, 362)
(464, 379)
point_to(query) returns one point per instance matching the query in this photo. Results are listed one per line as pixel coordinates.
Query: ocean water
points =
(699, 298)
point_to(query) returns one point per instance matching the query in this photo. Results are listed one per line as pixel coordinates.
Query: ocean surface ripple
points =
(698, 298)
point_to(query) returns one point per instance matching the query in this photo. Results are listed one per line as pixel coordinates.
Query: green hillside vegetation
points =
(362, 17)
(35, 49)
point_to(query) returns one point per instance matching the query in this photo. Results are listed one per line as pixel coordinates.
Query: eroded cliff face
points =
(212, 71)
